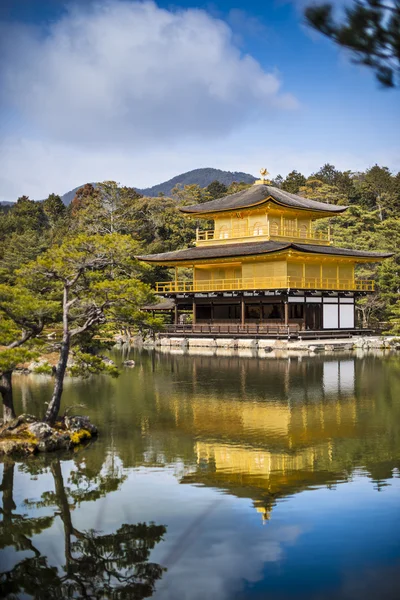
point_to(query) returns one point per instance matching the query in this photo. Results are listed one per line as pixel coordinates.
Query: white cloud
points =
(111, 82)
(129, 72)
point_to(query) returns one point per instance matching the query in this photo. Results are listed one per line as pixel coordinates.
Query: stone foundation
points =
(269, 345)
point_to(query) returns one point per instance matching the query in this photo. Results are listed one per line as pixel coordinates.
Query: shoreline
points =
(272, 347)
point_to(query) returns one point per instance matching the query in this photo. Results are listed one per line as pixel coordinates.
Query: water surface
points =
(217, 477)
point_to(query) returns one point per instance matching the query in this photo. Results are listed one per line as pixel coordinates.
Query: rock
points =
(247, 343)
(107, 361)
(129, 363)
(80, 422)
(22, 436)
(40, 430)
(176, 341)
(19, 447)
(202, 343)
(266, 349)
(265, 345)
(280, 345)
(226, 343)
(18, 421)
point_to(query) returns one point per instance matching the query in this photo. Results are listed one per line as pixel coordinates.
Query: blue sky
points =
(139, 92)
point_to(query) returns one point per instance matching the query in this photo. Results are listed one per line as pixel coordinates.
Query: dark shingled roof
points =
(257, 194)
(253, 249)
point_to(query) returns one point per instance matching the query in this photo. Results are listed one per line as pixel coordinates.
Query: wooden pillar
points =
(242, 311)
(286, 307)
(194, 312)
(176, 279)
(176, 314)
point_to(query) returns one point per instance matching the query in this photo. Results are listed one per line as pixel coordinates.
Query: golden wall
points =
(276, 268)
(256, 223)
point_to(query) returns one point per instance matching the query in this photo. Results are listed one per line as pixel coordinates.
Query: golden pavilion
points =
(264, 263)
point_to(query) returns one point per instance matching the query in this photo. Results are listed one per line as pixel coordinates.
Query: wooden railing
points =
(266, 283)
(259, 330)
(264, 232)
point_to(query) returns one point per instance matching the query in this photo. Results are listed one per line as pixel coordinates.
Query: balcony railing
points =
(264, 232)
(266, 283)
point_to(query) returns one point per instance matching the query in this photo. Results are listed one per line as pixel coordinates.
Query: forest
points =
(72, 270)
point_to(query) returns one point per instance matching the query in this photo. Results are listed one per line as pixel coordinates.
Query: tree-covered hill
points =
(200, 177)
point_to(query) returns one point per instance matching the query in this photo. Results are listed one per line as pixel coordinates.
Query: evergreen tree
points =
(293, 182)
(90, 277)
(54, 209)
(370, 30)
(23, 316)
(217, 190)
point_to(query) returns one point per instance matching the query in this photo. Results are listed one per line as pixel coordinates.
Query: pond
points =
(214, 477)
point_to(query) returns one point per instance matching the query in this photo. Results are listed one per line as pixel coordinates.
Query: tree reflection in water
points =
(111, 566)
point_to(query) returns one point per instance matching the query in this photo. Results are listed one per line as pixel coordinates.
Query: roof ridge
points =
(258, 194)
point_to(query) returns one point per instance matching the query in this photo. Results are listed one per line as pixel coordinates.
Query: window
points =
(290, 226)
(274, 228)
(253, 311)
(203, 312)
(226, 312)
(257, 229)
(272, 311)
(303, 231)
(296, 311)
(223, 233)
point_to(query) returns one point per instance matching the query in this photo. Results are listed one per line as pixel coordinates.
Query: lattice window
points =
(303, 231)
(223, 233)
(257, 229)
(274, 228)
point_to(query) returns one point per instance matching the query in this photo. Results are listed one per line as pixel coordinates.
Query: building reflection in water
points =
(268, 429)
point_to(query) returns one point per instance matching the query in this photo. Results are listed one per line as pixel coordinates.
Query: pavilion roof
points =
(254, 249)
(258, 194)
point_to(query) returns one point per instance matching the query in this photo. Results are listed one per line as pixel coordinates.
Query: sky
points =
(138, 92)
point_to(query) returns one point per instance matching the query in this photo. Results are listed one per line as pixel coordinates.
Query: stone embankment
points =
(273, 345)
(25, 435)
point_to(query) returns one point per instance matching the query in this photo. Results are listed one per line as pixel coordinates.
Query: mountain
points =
(69, 196)
(201, 177)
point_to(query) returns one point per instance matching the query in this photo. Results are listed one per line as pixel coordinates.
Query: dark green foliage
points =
(370, 30)
(277, 181)
(293, 182)
(24, 215)
(217, 189)
(327, 174)
(54, 209)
